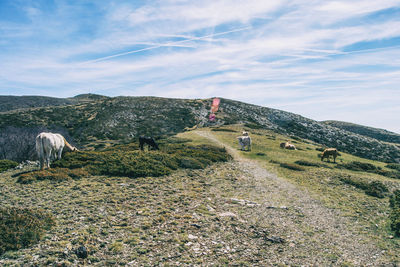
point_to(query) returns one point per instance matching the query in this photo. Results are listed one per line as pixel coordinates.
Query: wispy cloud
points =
(301, 56)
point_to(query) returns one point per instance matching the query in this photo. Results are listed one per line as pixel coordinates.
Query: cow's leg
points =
(141, 145)
(60, 153)
(334, 158)
(48, 158)
(41, 163)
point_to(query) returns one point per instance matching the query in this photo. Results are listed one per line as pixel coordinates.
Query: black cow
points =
(149, 141)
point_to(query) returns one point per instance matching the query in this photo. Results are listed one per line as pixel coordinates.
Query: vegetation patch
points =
(57, 174)
(253, 125)
(126, 160)
(368, 167)
(22, 227)
(374, 188)
(394, 166)
(395, 212)
(223, 130)
(292, 166)
(6, 164)
(358, 166)
(309, 163)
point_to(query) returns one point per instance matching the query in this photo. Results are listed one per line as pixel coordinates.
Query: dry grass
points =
(225, 214)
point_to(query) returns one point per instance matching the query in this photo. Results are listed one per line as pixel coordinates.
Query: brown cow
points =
(330, 152)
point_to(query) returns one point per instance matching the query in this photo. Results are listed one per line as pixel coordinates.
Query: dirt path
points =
(313, 233)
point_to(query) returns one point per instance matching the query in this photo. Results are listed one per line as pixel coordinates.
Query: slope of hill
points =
(378, 134)
(252, 211)
(125, 118)
(8, 103)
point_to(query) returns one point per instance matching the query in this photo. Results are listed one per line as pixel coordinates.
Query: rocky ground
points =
(233, 213)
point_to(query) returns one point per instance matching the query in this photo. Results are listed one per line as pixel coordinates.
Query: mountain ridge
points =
(377, 133)
(124, 118)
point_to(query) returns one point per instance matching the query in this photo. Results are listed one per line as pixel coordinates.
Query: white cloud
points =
(290, 56)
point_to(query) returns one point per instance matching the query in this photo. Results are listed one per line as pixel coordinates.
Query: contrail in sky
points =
(166, 44)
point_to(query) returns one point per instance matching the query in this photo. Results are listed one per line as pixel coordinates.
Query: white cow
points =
(244, 141)
(50, 146)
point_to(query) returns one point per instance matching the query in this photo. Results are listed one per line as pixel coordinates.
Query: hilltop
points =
(100, 120)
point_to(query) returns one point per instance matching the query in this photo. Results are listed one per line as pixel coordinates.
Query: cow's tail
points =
(70, 147)
(40, 150)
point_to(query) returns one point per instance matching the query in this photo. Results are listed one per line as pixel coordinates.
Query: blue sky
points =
(322, 59)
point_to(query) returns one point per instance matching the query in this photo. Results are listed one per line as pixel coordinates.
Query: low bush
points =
(292, 166)
(22, 227)
(308, 163)
(374, 188)
(395, 212)
(6, 164)
(394, 166)
(120, 161)
(358, 166)
(261, 154)
(368, 167)
(223, 130)
(57, 174)
(253, 125)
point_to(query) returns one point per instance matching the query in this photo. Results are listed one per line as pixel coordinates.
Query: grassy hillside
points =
(230, 213)
(379, 134)
(123, 119)
(8, 103)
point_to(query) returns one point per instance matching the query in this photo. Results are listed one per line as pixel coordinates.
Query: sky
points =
(324, 60)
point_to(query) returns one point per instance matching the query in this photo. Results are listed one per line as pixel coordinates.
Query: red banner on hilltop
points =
(214, 108)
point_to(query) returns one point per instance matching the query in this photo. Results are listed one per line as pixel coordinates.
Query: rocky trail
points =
(312, 233)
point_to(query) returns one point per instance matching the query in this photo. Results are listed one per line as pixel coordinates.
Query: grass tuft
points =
(374, 188)
(57, 174)
(22, 227)
(309, 163)
(292, 166)
(6, 164)
(395, 212)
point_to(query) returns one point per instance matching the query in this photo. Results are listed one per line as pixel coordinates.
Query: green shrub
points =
(120, 161)
(261, 154)
(368, 167)
(22, 227)
(292, 166)
(394, 166)
(374, 188)
(190, 163)
(57, 174)
(308, 163)
(253, 125)
(223, 130)
(395, 212)
(6, 164)
(359, 166)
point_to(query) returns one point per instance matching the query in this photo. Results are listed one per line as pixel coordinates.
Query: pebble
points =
(228, 214)
(190, 236)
